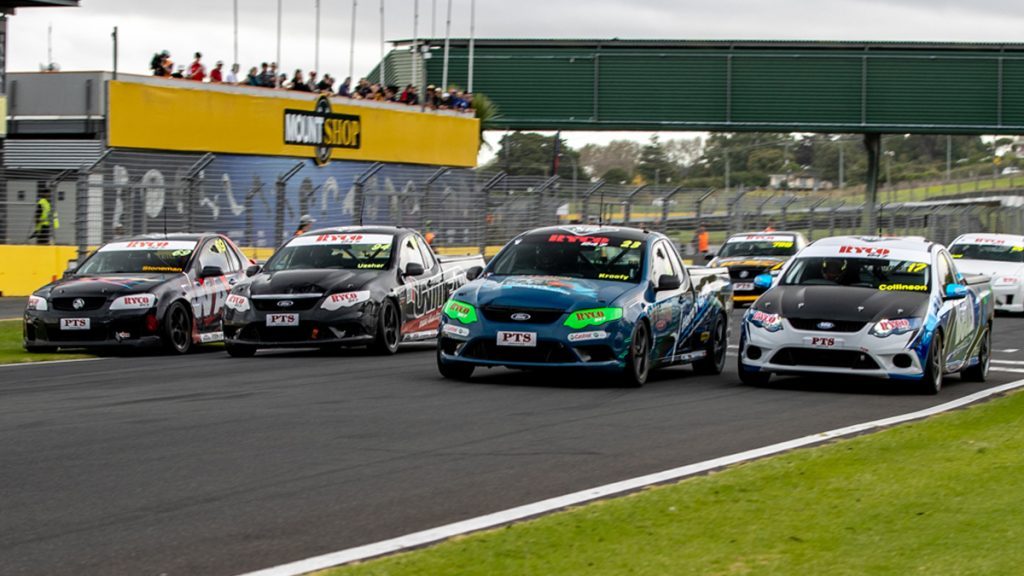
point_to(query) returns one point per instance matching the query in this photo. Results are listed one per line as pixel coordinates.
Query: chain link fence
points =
(258, 202)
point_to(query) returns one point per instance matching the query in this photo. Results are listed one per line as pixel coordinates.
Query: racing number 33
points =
(527, 339)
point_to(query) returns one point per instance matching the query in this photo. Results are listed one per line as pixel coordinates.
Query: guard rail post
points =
(359, 188)
(585, 207)
(486, 205)
(281, 200)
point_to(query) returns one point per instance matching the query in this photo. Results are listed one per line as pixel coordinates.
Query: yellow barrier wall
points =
(23, 269)
(181, 118)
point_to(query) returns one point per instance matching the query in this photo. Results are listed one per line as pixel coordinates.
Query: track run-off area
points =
(206, 464)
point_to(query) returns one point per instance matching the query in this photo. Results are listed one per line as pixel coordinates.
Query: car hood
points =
(990, 268)
(842, 303)
(109, 285)
(557, 292)
(753, 262)
(311, 281)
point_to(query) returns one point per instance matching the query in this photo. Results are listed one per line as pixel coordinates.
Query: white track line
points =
(440, 533)
(1008, 350)
(1010, 362)
(48, 362)
(1011, 370)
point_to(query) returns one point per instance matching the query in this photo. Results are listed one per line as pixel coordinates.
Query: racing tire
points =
(931, 382)
(714, 362)
(750, 378)
(40, 349)
(389, 329)
(453, 370)
(979, 372)
(177, 330)
(638, 357)
(240, 350)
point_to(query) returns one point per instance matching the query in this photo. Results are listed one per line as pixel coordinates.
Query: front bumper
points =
(107, 329)
(602, 347)
(1008, 297)
(315, 328)
(793, 351)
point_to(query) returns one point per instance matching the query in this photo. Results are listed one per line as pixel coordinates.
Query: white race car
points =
(894, 308)
(999, 256)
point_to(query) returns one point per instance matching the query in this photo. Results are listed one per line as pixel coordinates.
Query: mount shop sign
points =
(322, 129)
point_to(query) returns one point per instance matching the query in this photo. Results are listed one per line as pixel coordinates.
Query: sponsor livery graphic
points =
(322, 129)
(865, 251)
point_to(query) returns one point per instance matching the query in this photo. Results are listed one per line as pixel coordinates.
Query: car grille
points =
(66, 304)
(272, 304)
(839, 325)
(543, 353)
(736, 272)
(825, 358)
(537, 315)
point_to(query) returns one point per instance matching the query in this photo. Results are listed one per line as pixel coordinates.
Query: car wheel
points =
(240, 350)
(177, 334)
(979, 372)
(931, 382)
(389, 329)
(453, 370)
(40, 349)
(714, 362)
(638, 357)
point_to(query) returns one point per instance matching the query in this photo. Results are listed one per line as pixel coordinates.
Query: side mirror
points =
(210, 272)
(763, 281)
(253, 270)
(669, 283)
(474, 272)
(955, 291)
(709, 257)
(70, 270)
(414, 269)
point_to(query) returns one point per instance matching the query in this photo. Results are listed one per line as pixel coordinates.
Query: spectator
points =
(274, 77)
(282, 81)
(700, 239)
(179, 73)
(159, 64)
(298, 83)
(232, 77)
(217, 74)
(197, 71)
(346, 87)
(326, 85)
(265, 78)
(430, 98)
(253, 78)
(770, 227)
(409, 96)
(312, 82)
(363, 89)
(305, 223)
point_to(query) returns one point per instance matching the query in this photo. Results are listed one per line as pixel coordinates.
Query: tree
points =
(654, 165)
(617, 154)
(616, 176)
(532, 154)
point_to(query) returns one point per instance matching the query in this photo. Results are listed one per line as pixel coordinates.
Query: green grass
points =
(12, 352)
(941, 496)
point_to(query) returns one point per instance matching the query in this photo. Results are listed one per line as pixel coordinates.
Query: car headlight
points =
(134, 302)
(592, 317)
(37, 303)
(456, 310)
(237, 302)
(344, 300)
(770, 322)
(894, 327)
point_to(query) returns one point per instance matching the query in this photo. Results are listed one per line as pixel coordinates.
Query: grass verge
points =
(940, 496)
(12, 352)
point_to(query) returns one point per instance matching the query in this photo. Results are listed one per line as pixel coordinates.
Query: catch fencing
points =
(258, 201)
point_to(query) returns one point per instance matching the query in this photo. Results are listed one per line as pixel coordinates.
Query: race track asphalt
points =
(212, 465)
(12, 307)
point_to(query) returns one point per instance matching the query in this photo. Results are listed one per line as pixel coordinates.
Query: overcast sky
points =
(81, 36)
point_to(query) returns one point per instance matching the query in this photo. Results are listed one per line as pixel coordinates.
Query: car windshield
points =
(340, 251)
(137, 256)
(996, 252)
(601, 256)
(758, 245)
(876, 273)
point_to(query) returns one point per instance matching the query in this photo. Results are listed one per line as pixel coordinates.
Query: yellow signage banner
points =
(230, 121)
